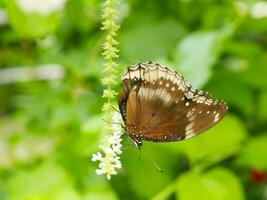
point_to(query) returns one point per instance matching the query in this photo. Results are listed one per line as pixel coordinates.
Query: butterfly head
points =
(138, 143)
(136, 135)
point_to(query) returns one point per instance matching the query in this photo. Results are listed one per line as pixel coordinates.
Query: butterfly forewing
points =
(157, 104)
(130, 78)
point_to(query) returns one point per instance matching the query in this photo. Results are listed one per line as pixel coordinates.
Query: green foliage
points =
(139, 172)
(49, 178)
(136, 46)
(237, 92)
(49, 181)
(31, 25)
(196, 54)
(50, 128)
(254, 154)
(216, 184)
(207, 148)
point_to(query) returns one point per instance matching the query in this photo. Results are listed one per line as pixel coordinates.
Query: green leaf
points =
(2, 5)
(44, 182)
(90, 139)
(254, 61)
(215, 184)
(50, 182)
(236, 92)
(147, 41)
(216, 143)
(140, 171)
(254, 153)
(100, 195)
(31, 25)
(255, 74)
(196, 54)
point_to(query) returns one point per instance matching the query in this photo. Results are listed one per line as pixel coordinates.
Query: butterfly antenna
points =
(111, 122)
(115, 109)
(154, 163)
(140, 151)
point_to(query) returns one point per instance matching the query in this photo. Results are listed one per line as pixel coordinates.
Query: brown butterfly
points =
(158, 105)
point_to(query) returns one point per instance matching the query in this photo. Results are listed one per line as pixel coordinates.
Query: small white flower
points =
(42, 7)
(99, 171)
(259, 10)
(96, 156)
(116, 117)
(114, 139)
(116, 128)
(118, 163)
(111, 147)
(117, 148)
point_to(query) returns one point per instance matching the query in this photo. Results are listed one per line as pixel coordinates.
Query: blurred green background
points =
(50, 99)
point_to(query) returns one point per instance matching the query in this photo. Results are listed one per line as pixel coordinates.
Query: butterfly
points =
(158, 105)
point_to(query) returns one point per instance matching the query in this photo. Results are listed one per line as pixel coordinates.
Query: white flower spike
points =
(109, 161)
(111, 147)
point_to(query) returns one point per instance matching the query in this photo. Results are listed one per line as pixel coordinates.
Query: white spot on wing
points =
(217, 117)
(170, 76)
(189, 126)
(130, 70)
(151, 75)
(135, 74)
(192, 118)
(190, 134)
(201, 99)
(189, 114)
(177, 80)
(182, 86)
(189, 94)
(208, 101)
(147, 93)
